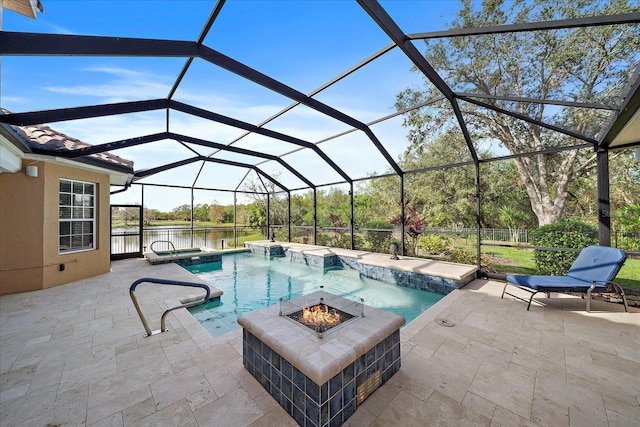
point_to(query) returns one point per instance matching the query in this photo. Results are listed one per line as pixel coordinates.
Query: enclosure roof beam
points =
(324, 86)
(22, 43)
(15, 43)
(242, 180)
(388, 25)
(131, 142)
(263, 80)
(143, 173)
(244, 151)
(248, 166)
(376, 121)
(185, 187)
(205, 114)
(152, 171)
(111, 146)
(336, 79)
(530, 120)
(587, 21)
(65, 114)
(203, 34)
(594, 105)
(76, 113)
(549, 150)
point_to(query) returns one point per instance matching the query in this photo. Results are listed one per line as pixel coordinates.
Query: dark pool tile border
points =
(409, 279)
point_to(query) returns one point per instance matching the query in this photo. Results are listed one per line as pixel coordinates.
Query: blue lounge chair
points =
(592, 272)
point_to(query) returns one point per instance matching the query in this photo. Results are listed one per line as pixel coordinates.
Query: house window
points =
(77, 201)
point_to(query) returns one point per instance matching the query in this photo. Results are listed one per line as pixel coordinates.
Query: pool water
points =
(251, 282)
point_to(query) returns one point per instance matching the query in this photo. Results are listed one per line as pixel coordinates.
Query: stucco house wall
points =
(30, 257)
(21, 231)
(29, 243)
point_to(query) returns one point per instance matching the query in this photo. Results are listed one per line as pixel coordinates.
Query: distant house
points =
(54, 211)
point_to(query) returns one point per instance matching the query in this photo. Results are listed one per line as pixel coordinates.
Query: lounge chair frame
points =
(593, 271)
(608, 286)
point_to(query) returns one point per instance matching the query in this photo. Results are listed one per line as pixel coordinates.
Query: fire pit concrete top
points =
(320, 358)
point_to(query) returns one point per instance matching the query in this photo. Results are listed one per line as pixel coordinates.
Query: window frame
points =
(77, 208)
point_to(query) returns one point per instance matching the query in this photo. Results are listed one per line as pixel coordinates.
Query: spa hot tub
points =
(184, 257)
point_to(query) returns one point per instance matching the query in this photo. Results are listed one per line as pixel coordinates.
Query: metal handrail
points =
(173, 248)
(144, 320)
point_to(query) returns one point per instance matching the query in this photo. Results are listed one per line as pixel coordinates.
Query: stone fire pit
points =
(321, 378)
(318, 315)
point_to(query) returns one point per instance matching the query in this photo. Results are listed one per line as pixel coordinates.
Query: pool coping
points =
(417, 273)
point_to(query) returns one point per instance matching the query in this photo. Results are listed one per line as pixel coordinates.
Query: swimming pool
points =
(251, 282)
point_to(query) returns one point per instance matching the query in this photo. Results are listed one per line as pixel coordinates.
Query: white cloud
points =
(124, 85)
(14, 100)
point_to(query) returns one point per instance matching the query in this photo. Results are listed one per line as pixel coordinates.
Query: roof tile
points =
(44, 138)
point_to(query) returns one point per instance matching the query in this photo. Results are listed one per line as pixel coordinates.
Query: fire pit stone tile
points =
(321, 380)
(338, 347)
(324, 364)
(296, 343)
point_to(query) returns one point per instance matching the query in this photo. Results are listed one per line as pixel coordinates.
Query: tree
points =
(512, 219)
(256, 190)
(228, 214)
(201, 212)
(182, 213)
(624, 171)
(256, 215)
(216, 213)
(586, 65)
(302, 209)
(627, 227)
(443, 197)
(501, 188)
(384, 194)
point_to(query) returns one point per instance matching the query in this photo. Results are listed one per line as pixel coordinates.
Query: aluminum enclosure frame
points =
(13, 43)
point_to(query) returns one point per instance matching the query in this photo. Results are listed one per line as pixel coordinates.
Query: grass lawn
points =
(249, 238)
(629, 276)
(520, 261)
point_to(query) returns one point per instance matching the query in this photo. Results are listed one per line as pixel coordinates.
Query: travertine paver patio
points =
(76, 355)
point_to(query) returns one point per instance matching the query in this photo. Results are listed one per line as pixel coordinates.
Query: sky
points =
(304, 44)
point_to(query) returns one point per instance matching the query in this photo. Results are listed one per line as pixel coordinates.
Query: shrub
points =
(344, 241)
(433, 243)
(323, 239)
(378, 239)
(627, 223)
(564, 234)
(628, 243)
(465, 256)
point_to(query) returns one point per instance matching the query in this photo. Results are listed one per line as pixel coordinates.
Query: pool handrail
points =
(170, 243)
(144, 320)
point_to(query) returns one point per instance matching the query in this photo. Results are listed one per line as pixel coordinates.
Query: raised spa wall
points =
(184, 257)
(324, 258)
